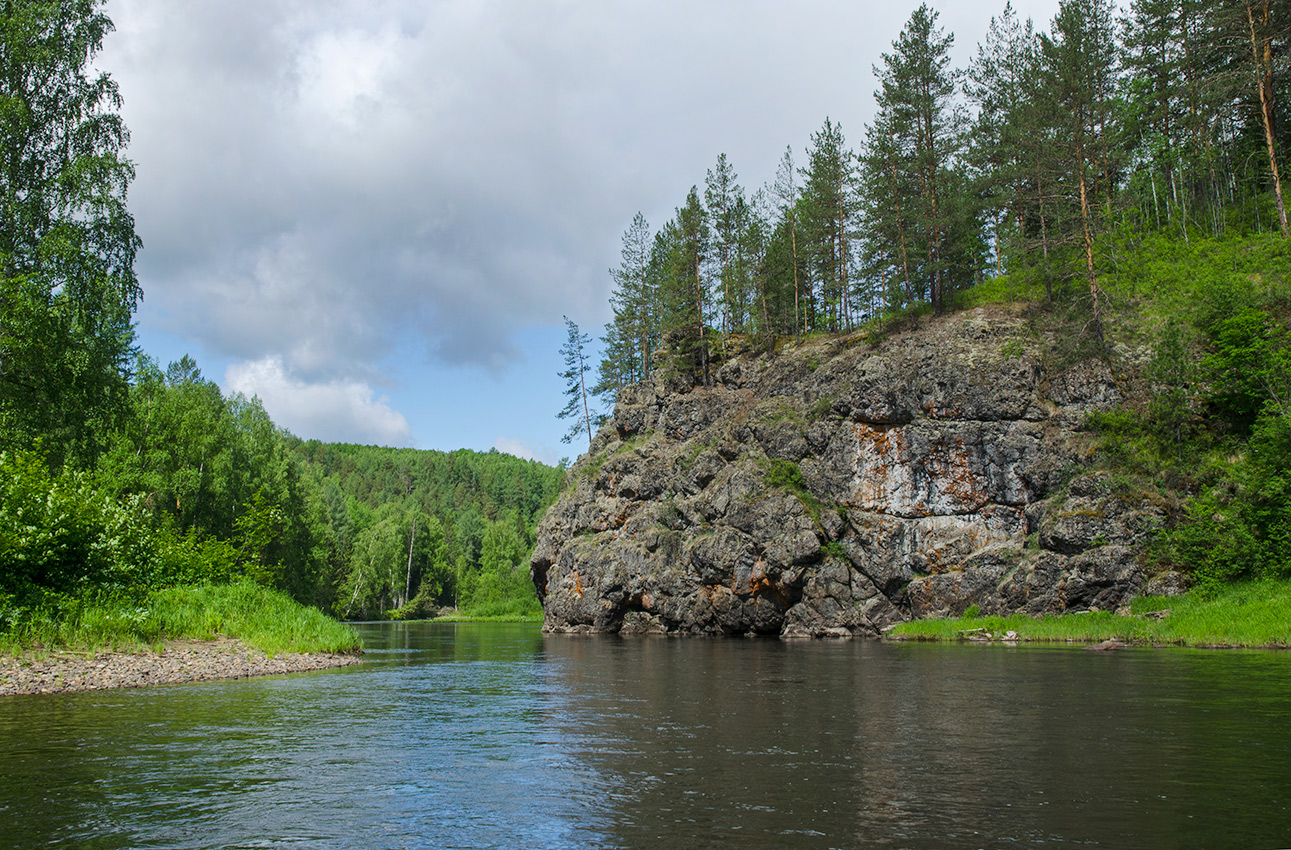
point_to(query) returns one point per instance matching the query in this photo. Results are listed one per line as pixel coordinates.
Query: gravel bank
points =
(63, 671)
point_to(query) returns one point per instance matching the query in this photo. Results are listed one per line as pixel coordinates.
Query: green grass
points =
(262, 618)
(528, 617)
(1244, 614)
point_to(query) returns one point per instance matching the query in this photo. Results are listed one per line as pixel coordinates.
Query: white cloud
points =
(331, 411)
(326, 184)
(521, 449)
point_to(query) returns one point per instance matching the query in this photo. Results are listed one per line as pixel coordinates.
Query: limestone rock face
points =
(837, 488)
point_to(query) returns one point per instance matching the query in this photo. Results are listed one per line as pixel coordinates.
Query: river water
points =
(481, 736)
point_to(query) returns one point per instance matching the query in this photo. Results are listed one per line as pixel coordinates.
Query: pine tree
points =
(753, 270)
(1260, 19)
(829, 219)
(888, 194)
(787, 197)
(725, 204)
(999, 81)
(577, 391)
(633, 334)
(1080, 66)
(690, 302)
(917, 99)
(1175, 110)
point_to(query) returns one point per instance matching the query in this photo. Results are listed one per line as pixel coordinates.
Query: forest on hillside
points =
(120, 477)
(1104, 155)
(1044, 161)
(192, 486)
(1122, 171)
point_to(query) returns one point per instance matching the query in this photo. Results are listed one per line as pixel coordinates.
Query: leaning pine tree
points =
(576, 389)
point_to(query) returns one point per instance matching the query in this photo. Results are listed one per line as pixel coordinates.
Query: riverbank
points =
(535, 617)
(64, 671)
(263, 618)
(1249, 614)
(176, 634)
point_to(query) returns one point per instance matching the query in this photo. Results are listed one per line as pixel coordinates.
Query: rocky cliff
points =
(838, 487)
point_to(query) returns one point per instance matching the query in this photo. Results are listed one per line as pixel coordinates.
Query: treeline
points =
(192, 486)
(118, 477)
(1035, 161)
(410, 531)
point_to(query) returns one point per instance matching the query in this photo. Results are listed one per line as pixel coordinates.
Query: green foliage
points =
(578, 390)
(785, 474)
(404, 531)
(501, 586)
(262, 618)
(215, 467)
(1171, 373)
(820, 408)
(61, 534)
(1240, 526)
(1242, 614)
(67, 242)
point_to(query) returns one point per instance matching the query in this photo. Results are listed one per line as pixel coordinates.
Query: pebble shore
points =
(63, 671)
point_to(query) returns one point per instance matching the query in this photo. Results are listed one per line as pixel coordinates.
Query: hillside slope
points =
(837, 487)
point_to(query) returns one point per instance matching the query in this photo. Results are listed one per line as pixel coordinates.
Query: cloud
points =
(522, 449)
(333, 411)
(316, 180)
(369, 190)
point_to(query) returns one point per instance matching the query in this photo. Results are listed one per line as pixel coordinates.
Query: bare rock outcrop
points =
(837, 488)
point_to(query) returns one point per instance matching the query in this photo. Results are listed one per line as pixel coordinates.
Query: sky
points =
(374, 214)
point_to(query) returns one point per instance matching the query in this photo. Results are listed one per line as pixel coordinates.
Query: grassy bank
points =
(466, 617)
(259, 617)
(1254, 613)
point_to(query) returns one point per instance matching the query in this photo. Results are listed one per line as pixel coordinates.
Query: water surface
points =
(479, 736)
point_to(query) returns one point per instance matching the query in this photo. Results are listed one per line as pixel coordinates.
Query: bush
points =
(61, 538)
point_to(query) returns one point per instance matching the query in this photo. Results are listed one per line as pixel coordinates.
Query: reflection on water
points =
(478, 736)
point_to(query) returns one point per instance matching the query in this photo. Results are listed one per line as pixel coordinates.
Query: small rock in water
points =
(1010, 635)
(1106, 646)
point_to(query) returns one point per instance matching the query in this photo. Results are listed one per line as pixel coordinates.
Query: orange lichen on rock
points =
(879, 470)
(950, 465)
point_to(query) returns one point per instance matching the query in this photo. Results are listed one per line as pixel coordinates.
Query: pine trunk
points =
(1094, 293)
(1262, 53)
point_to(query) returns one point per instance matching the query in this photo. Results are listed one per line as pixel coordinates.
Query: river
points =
(483, 736)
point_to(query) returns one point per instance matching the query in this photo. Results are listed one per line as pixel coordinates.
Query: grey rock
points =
(932, 474)
(1168, 583)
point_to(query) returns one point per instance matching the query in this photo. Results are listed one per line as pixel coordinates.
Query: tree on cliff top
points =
(576, 390)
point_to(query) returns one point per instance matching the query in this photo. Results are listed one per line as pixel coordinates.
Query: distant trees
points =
(401, 532)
